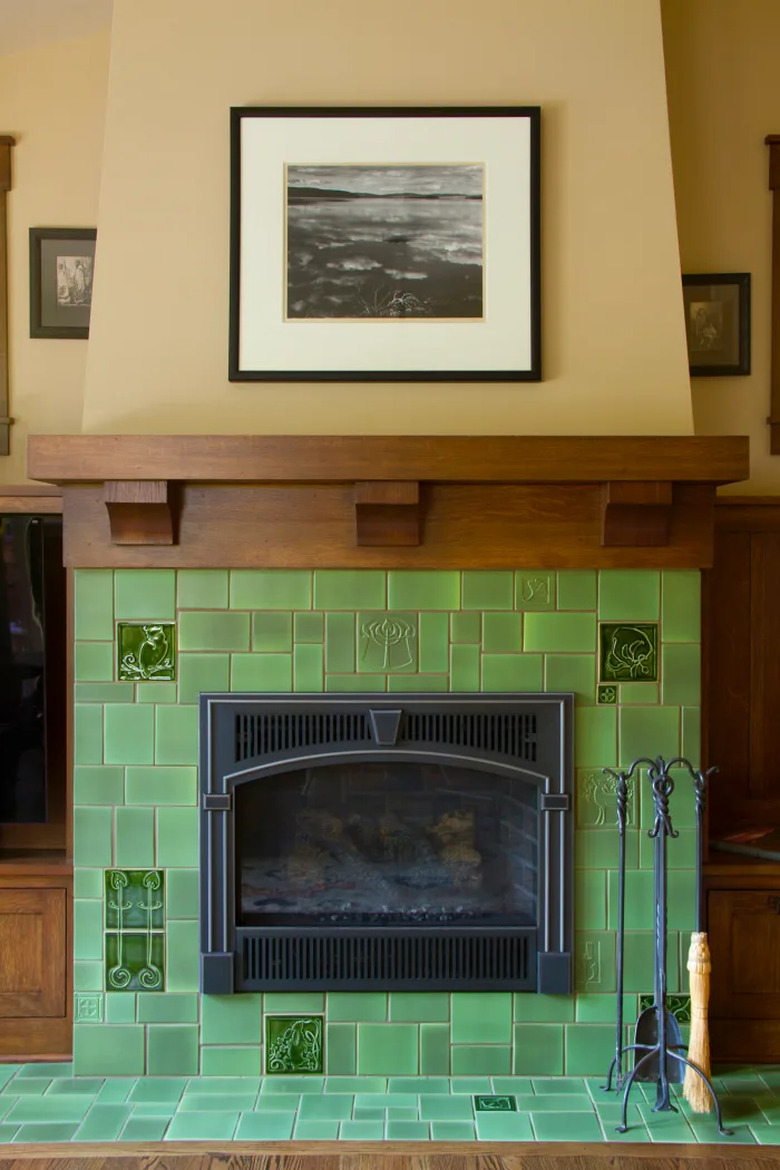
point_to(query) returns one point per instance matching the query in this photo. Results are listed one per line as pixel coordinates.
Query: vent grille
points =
(309, 961)
(508, 734)
(269, 734)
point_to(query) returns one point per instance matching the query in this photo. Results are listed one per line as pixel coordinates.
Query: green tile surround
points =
(278, 631)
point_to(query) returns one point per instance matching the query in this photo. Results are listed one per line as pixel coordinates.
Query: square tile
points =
(294, 1044)
(202, 672)
(535, 590)
(502, 633)
(231, 1019)
(577, 589)
(387, 642)
(129, 734)
(146, 652)
(481, 1017)
(628, 652)
(388, 1049)
(272, 631)
(629, 594)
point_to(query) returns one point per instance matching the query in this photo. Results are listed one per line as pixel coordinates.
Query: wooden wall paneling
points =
(773, 142)
(6, 144)
(765, 665)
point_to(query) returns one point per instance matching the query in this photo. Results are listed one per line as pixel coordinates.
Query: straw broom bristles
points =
(695, 1091)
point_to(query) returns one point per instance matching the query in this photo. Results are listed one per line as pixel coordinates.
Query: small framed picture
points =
(717, 323)
(62, 268)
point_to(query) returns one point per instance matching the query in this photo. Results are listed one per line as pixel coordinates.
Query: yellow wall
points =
(723, 75)
(614, 352)
(53, 101)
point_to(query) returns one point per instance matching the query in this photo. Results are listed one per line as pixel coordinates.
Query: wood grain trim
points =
(6, 146)
(387, 513)
(139, 511)
(773, 142)
(352, 458)
(636, 514)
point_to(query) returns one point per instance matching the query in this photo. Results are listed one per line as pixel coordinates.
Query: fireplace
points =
(386, 842)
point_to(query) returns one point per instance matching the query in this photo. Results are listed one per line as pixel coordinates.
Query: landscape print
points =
(373, 242)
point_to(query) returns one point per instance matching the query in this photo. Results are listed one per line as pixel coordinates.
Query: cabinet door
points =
(744, 934)
(33, 950)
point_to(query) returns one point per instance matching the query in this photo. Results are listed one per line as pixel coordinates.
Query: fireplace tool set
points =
(657, 1041)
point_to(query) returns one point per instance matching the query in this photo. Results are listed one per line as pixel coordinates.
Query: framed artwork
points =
(717, 323)
(385, 245)
(62, 266)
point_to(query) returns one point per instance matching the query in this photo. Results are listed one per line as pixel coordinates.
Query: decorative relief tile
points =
(607, 694)
(678, 1005)
(88, 1008)
(492, 1103)
(387, 642)
(628, 652)
(597, 799)
(146, 652)
(135, 923)
(535, 591)
(589, 964)
(294, 1045)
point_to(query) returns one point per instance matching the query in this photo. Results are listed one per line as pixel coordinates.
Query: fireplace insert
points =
(382, 841)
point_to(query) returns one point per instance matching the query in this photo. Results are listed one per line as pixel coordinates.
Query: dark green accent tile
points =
(93, 604)
(678, 1005)
(358, 683)
(172, 1009)
(490, 1059)
(92, 836)
(407, 1131)
(681, 674)
(144, 1129)
(628, 652)
(504, 1127)
(177, 837)
(108, 1050)
(362, 1131)
(135, 837)
(607, 694)
(434, 649)
(566, 1127)
(272, 631)
(231, 1019)
(301, 1003)
(590, 900)
(213, 630)
(481, 1017)
(130, 963)
(45, 1132)
(649, 731)
(361, 1005)
(681, 605)
(308, 668)
(423, 589)
(629, 595)
(176, 740)
(93, 662)
(349, 589)
(430, 683)
(202, 672)
(416, 1006)
(464, 668)
(183, 954)
(202, 589)
(161, 785)
(261, 672)
(435, 1049)
(160, 1090)
(326, 1107)
(157, 692)
(577, 589)
(293, 1045)
(172, 1050)
(571, 672)
(441, 1107)
(146, 652)
(453, 1131)
(129, 733)
(145, 593)
(589, 1048)
(202, 1126)
(88, 734)
(270, 589)
(309, 627)
(182, 893)
(88, 930)
(466, 627)
(638, 693)
(88, 976)
(594, 962)
(96, 785)
(388, 1049)
(541, 1009)
(495, 1103)
(560, 632)
(488, 589)
(386, 642)
(316, 1131)
(502, 633)
(511, 672)
(340, 642)
(103, 1123)
(535, 590)
(218, 1061)
(595, 737)
(108, 692)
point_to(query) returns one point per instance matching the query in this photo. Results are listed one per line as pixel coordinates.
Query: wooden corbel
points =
(139, 511)
(387, 513)
(635, 514)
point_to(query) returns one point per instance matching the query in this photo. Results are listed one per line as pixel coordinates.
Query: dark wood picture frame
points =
(50, 313)
(717, 323)
(270, 339)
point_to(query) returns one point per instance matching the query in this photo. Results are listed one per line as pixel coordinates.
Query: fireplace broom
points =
(695, 1091)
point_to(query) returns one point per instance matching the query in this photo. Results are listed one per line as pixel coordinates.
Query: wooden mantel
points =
(294, 501)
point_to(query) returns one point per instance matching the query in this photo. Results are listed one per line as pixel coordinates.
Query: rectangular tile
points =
(270, 589)
(261, 672)
(145, 593)
(481, 1017)
(213, 630)
(202, 588)
(350, 589)
(391, 1049)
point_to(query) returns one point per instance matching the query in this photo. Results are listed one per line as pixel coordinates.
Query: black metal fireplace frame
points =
(481, 732)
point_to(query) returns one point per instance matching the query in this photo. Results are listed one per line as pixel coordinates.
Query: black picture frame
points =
(717, 323)
(62, 264)
(458, 335)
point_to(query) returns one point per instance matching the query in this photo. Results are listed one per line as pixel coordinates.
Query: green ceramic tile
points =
(481, 1017)
(93, 604)
(681, 674)
(629, 595)
(435, 1049)
(144, 1129)
(316, 1130)
(504, 1127)
(388, 1049)
(93, 661)
(88, 976)
(340, 642)
(308, 668)
(502, 633)
(272, 631)
(202, 589)
(168, 1009)
(132, 957)
(177, 837)
(288, 1087)
(202, 672)
(203, 1126)
(108, 1050)
(405, 1085)
(386, 642)
(231, 1019)
(302, 1003)
(594, 961)
(628, 653)
(161, 785)
(638, 693)
(560, 632)
(326, 1107)
(103, 1123)
(309, 627)
(213, 630)
(640, 899)
(433, 637)
(156, 692)
(182, 893)
(597, 851)
(489, 1059)
(108, 692)
(88, 734)
(535, 590)
(691, 734)
(122, 1008)
(265, 1127)
(220, 1061)
(87, 883)
(577, 589)
(680, 854)
(270, 589)
(533, 1008)
(349, 589)
(423, 589)
(172, 1049)
(362, 1131)
(408, 1131)
(571, 672)
(416, 1006)
(145, 593)
(129, 734)
(92, 836)
(199, 1098)
(97, 785)
(183, 956)
(440, 1107)
(176, 740)
(466, 627)
(359, 683)
(590, 900)
(453, 1131)
(88, 930)
(607, 694)
(146, 652)
(74, 1086)
(681, 605)
(262, 672)
(371, 1087)
(488, 590)
(565, 1127)
(494, 1103)
(158, 1090)
(596, 800)
(639, 958)
(512, 672)
(589, 1048)
(430, 683)
(649, 731)
(44, 1132)
(362, 1005)
(135, 837)
(464, 668)
(600, 1009)
(595, 737)
(341, 1049)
